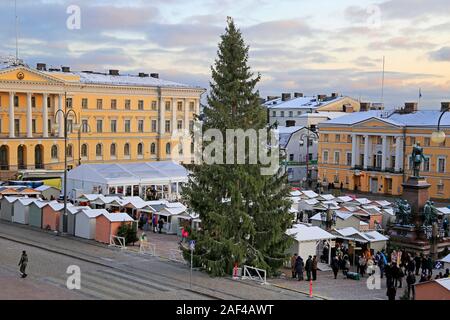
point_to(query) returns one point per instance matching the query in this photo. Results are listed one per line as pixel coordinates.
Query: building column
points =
(354, 142)
(174, 114)
(162, 110)
(60, 116)
(383, 152)
(44, 116)
(11, 115)
(197, 106)
(29, 117)
(398, 153)
(366, 151)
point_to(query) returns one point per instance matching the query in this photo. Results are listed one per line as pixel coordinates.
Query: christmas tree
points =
(244, 214)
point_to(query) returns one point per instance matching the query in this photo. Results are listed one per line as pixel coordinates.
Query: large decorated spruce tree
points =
(244, 214)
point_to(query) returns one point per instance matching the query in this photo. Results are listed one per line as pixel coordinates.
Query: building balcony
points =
(301, 163)
(377, 169)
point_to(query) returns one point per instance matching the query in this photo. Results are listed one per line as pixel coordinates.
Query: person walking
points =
(410, 281)
(293, 260)
(308, 268)
(400, 275)
(424, 265)
(362, 265)
(314, 268)
(430, 266)
(154, 223)
(335, 266)
(299, 268)
(23, 264)
(418, 263)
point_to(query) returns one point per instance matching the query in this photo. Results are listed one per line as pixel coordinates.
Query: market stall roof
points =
(26, 201)
(443, 210)
(303, 233)
(75, 209)
(93, 213)
(344, 199)
(117, 217)
(383, 203)
(130, 173)
(296, 193)
(12, 199)
(446, 259)
(310, 194)
(363, 200)
(327, 197)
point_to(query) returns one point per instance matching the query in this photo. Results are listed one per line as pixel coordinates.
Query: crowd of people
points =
(394, 268)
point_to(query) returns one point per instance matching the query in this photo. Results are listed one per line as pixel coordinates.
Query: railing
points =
(255, 274)
(376, 169)
(300, 163)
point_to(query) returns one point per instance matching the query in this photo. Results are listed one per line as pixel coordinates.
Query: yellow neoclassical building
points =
(115, 118)
(371, 151)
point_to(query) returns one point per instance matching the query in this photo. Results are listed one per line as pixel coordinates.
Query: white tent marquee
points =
(162, 178)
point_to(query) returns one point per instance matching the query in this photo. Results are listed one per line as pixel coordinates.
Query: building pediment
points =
(376, 122)
(24, 74)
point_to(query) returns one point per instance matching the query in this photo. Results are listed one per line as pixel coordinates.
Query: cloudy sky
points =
(309, 46)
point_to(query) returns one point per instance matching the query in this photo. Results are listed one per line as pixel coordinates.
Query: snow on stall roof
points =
(44, 187)
(383, 203)
(93, 213)
(443, 210)
(117, 217)
(363, 200)
(296, 193)
(327, 196)
(344, 199)
(136, 173)
(374, 236)
(445, 282)
(310, 193)
(348, 231)
(302, 233)
(26, 201)
(362, 223)
(311, 201)
(446, 259)
(388, 211)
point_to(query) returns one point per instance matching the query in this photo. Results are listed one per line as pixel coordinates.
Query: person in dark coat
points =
(410, 280)
(23, 263)
(308, 268)
(430, 266)
(388, 271)
(424, 265)
(335, 266)
(314, 268)
(299, 268)
(418, 263)
(160, 224)
(399, 277)
(391, 292)
(411, 265)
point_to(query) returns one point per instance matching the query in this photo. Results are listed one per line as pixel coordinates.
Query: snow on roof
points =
(26, 201)
(132, 173)
(56, 206)
(445, 282)
(311, 202)
(44, 187)
(443, 210)
(326, 196)
(75, 209)
(348, 231)
(301, 103)
(172, 211)
(117, 217)
(295, 199)
(11, 199)
(40, 204)
(296, 193)
(91, 197)
(363, 200)
(383, 203)
(310, 193)
(388, 211)
(374, 236)
(303, 233)
(362, 223)
(351, 208)
(344, 199)
(93, 213)
(446, 259)
(136, 202)
(343, 215)
(419, 118)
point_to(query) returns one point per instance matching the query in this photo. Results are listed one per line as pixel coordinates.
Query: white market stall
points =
(21, 210)
(86, 221)
(149, 180)
(307, 240)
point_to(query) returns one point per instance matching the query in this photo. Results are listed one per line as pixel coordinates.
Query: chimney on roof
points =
(365, 106)
(154, 75)
(65, 69)
(113, 72)
(298, 95)
(41, 67)
(143, 75)
(335, 94)
(410, 107)
(445, 106)
(272, 98)
(285, 96)
(321, 97)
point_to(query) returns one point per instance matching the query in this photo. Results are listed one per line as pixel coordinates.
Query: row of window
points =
(127, 125)
(113, 150)
(378, 140)
(113, 104)
(290, 113)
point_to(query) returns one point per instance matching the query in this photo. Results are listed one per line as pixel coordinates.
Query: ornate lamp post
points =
(76, 127)
(439, 135)
(311, 136)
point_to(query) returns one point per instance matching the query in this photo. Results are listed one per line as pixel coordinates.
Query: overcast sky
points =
(309, 46)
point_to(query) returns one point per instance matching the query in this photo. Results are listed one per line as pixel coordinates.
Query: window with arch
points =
(84, 150)
(99, 150)
(54, 151)
(126, 149)
(153, 148)
(140, 149)
(168, 148)
(112, 150)
(70, 150)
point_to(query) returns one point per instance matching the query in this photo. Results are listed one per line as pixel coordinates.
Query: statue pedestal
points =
(411, 237)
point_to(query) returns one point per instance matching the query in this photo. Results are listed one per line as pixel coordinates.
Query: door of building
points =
(374, 185)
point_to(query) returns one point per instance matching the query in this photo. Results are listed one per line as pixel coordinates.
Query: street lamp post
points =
(88, 130)
(439, 135)
(309, 136)
(76, 127)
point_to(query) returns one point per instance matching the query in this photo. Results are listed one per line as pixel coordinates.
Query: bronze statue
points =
(429, 213)
(417, 157)
(402, 212)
